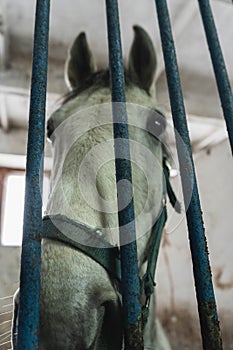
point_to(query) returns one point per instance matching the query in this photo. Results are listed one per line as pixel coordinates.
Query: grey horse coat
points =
(80, 304)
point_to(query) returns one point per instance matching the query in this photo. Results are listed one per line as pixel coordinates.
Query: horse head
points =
(80, 301)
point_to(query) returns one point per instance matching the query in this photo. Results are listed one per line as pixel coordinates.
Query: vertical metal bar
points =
(223, 83)
(211, 336)
(129, 263)
(28, 327)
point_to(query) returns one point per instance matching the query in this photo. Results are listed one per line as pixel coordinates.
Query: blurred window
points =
(12, 187)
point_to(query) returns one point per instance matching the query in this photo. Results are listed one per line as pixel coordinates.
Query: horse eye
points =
(156, 123)
(50, 128)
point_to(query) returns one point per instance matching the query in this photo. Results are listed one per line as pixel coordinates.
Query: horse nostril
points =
(50, 128)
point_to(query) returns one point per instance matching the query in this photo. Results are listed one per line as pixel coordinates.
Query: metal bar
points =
(223, 83)
(129, 264)
(28, 327)
(210, 329)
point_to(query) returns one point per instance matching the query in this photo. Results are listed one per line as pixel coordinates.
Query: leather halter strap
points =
(63, 229)
(72, 232)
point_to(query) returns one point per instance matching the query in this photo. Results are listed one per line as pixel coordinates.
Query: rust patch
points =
(183, 329)
(211, 334)
(134, 337)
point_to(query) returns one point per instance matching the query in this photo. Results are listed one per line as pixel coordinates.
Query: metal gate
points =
(28, 327)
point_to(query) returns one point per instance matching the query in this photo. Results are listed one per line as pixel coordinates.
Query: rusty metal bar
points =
(210, 329)
(28, 327)
(222, 80)
(129, 264)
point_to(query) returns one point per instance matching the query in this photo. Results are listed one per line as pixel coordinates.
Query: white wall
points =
(175, 287)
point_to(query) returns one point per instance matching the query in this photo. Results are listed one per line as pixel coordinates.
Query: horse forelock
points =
(96, 81)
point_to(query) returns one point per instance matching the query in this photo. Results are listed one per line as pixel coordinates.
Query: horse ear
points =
(80, 63)
(142, 59)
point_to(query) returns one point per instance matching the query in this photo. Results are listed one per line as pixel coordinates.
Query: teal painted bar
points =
(219, 66)
(28, 327)
(129, 264)
(209, 323)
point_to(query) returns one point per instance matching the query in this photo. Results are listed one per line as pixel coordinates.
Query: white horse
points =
(80, 302)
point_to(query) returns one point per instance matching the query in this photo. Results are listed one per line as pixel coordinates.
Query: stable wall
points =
(175, 286)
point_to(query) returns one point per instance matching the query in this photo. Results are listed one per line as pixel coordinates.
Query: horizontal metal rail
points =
(201, 267)
(28, 327)
(129, 264)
